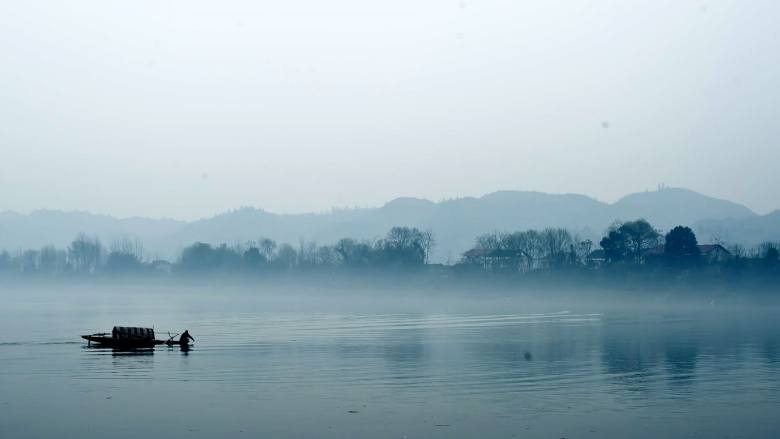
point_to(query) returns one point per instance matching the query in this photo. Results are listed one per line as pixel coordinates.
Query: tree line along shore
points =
(632, 247)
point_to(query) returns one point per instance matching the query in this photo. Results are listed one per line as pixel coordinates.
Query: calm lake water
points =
(286, 365)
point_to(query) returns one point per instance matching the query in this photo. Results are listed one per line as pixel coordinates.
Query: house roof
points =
(505, 253)
(598, 254)
(498, 253)
(474, 253)
(703, 249)
(707, 248)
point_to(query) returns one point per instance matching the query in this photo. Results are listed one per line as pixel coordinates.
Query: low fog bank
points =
(633, 256)
(402, 292)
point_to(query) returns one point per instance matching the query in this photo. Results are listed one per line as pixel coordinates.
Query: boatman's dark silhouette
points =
(184, 336)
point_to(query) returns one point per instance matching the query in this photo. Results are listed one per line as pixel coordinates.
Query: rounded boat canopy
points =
(132, 333)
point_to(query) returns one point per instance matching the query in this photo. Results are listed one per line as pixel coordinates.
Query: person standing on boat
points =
(184, 336)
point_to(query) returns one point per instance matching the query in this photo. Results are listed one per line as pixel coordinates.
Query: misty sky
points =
(185, 109)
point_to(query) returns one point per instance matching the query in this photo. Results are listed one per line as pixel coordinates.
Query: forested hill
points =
(455, 222)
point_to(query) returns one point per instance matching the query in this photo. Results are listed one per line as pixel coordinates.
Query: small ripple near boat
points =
(127, 337)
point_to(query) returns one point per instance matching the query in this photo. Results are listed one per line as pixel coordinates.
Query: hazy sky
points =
(185, 109)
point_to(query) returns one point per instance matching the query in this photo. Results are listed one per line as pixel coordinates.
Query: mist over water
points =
(351, 362)
(394, 219)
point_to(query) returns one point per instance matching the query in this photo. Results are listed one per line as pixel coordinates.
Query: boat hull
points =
(117, 343)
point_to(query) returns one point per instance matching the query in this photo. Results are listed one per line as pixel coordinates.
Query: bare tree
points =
(352, 253)
(327, 256)
(286, 257)
(5, 260)
(582, 250)
(85, 253)
(767, 248)
(128, 245)
(488, 242)
(556, 243)
(428, 242)
(267, 247)
(52, 260)
(738, 250)
(307, 254)
(29, 261)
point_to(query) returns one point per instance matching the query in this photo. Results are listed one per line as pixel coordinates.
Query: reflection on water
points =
(552, 374)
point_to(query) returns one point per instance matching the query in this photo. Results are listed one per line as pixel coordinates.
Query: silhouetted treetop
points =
(681, 241)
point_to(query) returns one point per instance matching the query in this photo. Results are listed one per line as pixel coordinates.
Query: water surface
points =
(289, 366)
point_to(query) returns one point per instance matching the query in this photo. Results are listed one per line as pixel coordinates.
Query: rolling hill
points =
(455, 222)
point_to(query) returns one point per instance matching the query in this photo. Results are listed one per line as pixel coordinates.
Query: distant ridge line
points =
(455, 222)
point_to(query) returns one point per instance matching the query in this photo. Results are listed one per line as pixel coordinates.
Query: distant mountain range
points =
(455, 222)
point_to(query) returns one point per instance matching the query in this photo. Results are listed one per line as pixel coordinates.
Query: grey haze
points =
(183, 109)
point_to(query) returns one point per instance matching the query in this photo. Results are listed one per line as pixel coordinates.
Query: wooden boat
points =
(123, 337)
